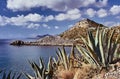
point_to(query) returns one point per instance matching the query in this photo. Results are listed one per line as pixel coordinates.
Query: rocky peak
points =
(86, 23)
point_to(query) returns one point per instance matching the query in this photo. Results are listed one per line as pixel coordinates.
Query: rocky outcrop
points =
(45, 41)
(17, 42)
(54, 40)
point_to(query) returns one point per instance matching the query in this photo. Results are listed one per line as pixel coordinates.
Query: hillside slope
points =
(80, 29)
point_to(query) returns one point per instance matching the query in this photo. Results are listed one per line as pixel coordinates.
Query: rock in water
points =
(17, 42)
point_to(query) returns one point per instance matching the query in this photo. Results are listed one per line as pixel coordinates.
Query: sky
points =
(29, 18)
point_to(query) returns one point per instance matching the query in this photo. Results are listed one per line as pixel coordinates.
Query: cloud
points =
(56, 5)
(99, 13)
(115, 9)
(3, 21)
(46, 26)
(101, 3)
(69, 15)
(30, 20)
(49, 18)
(91, 12)
(34, 17)
(102, 13)
(33, 25)
(56, 27)
(111, 23)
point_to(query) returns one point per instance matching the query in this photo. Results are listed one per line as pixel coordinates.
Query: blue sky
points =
(28, 18)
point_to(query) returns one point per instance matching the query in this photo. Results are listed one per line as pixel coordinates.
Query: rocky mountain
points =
(41, 36)
(80, 28)
(73, 34)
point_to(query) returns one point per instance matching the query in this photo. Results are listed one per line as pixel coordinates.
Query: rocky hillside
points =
(80, 28)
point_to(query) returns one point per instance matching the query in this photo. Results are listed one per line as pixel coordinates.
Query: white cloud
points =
(3, 20)
(33, 25)
(56, 27)
(49, 18)
(115, 9)
(90, 12)
(56, 5)
(111, 23)
(101, 3)
(102, 13)
(34, 17)
(61, 17)
(73, 14)
(46, 26)
(30, 20)
(69, 15)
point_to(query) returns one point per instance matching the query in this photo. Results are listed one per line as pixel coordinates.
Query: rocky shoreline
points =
(46, 41)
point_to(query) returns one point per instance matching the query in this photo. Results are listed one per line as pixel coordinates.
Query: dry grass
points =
(84, 72)
(87, 71)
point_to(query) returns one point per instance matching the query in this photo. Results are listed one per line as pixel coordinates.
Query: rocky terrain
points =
(72, 35)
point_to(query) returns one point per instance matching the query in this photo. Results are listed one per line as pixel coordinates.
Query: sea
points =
(15, 58)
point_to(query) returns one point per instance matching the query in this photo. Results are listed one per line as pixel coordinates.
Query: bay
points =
(16, 58)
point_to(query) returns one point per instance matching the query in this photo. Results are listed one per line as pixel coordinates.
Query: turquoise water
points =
(16, 58)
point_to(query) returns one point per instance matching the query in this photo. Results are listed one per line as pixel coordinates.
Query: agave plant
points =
(10, 75)
(99, 50)
(63, 59)
(41, 72)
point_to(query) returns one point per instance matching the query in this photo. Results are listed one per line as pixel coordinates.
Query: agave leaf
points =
(4, 76)
(84, 40)
(97, 37)
(93, 55)
(109, 46)
(85, 54)
(64, 55)
(41, 64)
(50, 68)
(101, 48)
(19, 76)
(50, 65)
(60, 54)
(28, 76)
(72, 54)
(91, 40)
(38, 70)
(14, 76)
(115, 48)
(43, 73)
(9, 75)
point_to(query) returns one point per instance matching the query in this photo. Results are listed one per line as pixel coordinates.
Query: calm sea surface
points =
(16, 58)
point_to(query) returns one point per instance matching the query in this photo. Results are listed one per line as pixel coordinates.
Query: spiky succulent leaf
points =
(28, 76)
(101, 47)
(85, 54)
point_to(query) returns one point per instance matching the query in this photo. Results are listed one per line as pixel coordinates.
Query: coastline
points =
(22, 43)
